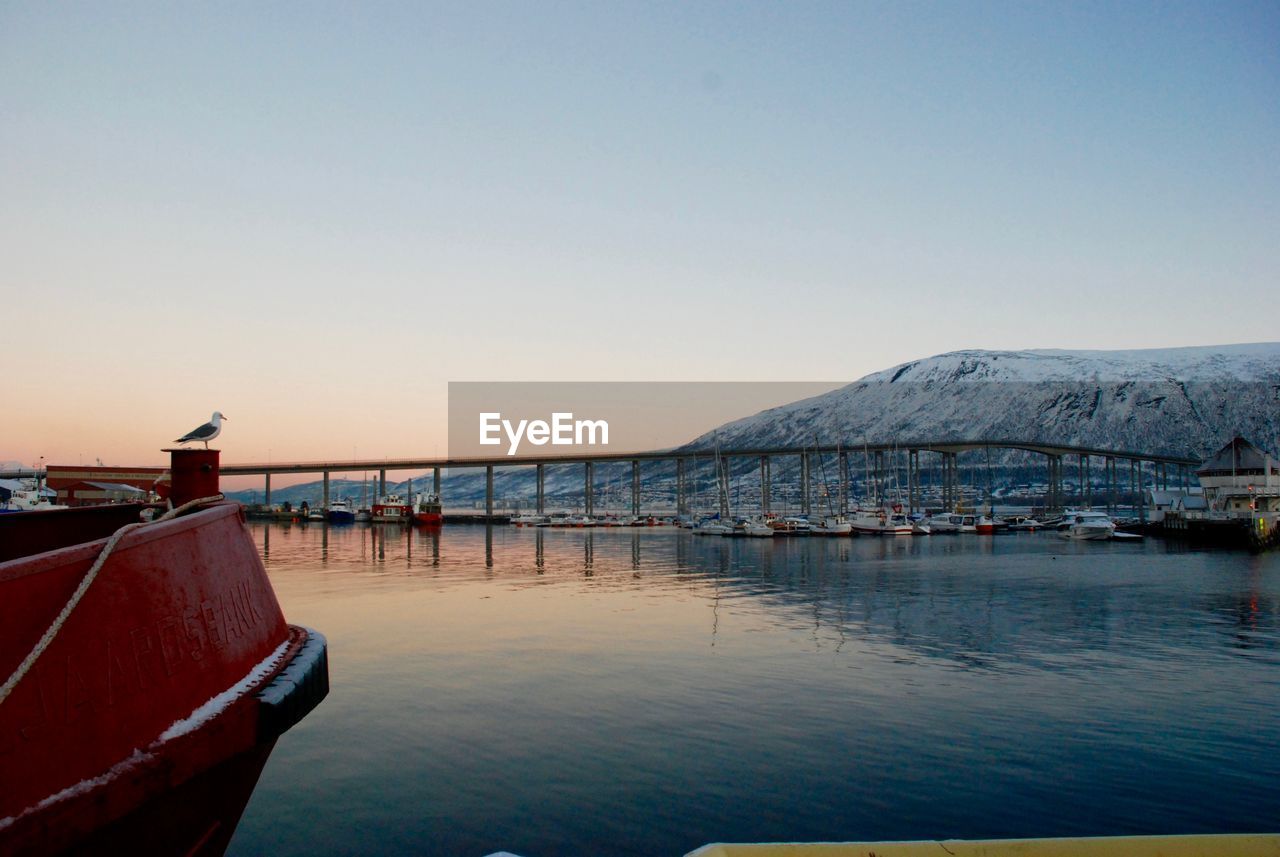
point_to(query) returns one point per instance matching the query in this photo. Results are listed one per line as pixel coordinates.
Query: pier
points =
(879, 461)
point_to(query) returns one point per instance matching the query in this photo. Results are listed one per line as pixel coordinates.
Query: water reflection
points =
(545, 691)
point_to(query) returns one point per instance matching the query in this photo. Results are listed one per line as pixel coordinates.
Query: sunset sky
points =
(312, 217)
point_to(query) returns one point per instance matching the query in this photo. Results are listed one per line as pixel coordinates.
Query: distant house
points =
(1240, 478)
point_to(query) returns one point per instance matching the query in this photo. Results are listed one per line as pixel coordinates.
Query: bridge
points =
(684, 459)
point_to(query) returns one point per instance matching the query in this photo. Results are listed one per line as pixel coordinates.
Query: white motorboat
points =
(756, 528)
(1089, 526)
(712, 527)
(830, 525)
(889, 521)
(528, 520)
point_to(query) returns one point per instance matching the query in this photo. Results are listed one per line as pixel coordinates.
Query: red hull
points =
(181, 612)
(428, 519)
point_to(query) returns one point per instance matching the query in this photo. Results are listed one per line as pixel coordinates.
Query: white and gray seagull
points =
(206, 432)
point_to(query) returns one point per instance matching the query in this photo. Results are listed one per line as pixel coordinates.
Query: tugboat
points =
(144, 660)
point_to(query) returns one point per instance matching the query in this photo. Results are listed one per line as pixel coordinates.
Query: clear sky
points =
(313, 216)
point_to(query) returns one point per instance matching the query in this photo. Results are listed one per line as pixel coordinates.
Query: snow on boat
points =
(1193, 845)
(137, 658)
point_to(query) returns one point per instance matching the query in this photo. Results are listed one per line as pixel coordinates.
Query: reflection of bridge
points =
(874, 456)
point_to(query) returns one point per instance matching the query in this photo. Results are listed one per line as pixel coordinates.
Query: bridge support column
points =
(764, 484)
(1086, 483)
(488, 491)
(1142, 499)
(1109, 466)
(266, 492)
(324, 507)
(804, 483)
(1053, 500)
(681, 505)
(382, 482)
(635, 488)
(588, 489)
(722, 485)
(842, 462)
(913, 480)
(542, 488)
(435, 482)
(879, 478)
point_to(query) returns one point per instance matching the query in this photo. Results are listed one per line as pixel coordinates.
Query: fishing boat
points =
(392, 509)
(340, 512)
(142, 653)
(427, 510)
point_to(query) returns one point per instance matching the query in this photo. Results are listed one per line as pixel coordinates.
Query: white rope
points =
(85, 583)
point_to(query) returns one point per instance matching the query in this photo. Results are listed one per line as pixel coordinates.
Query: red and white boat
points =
(392, 509)
(139, 660)
(427, 510)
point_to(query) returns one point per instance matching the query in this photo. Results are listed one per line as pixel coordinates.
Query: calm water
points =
(555, 692)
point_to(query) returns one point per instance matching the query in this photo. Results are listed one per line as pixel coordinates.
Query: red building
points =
(92, 486)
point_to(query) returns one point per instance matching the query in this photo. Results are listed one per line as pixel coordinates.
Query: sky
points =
(312, 217)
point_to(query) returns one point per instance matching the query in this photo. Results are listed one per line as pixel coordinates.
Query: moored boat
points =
(340, 512)
(887, 521)
(1089, 526)
(830, 525)
(427, 510)
(392, 509)
(139, 656)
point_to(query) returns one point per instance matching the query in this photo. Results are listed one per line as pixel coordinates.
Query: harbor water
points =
(646, 691)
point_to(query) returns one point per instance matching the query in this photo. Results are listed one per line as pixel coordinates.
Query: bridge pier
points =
(764, 484)
(382, 483)
(635, 487)
(1053, 498)
(324, 507)
(435, 482)
(266, 491)
(542, 488)
(588, 492)
(804, 483)
(842, 461)
(913, 479)
(1109, 467)
(722, 485)
(488, 491)
(682, 506)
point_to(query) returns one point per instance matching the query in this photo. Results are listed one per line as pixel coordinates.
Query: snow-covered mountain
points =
(1186, 401)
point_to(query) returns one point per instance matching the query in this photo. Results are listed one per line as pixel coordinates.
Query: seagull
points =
(206, 432)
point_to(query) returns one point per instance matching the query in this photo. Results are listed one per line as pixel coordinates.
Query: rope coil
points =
(85, 583)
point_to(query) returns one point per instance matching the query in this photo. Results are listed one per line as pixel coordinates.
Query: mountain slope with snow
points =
(1182, 401)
